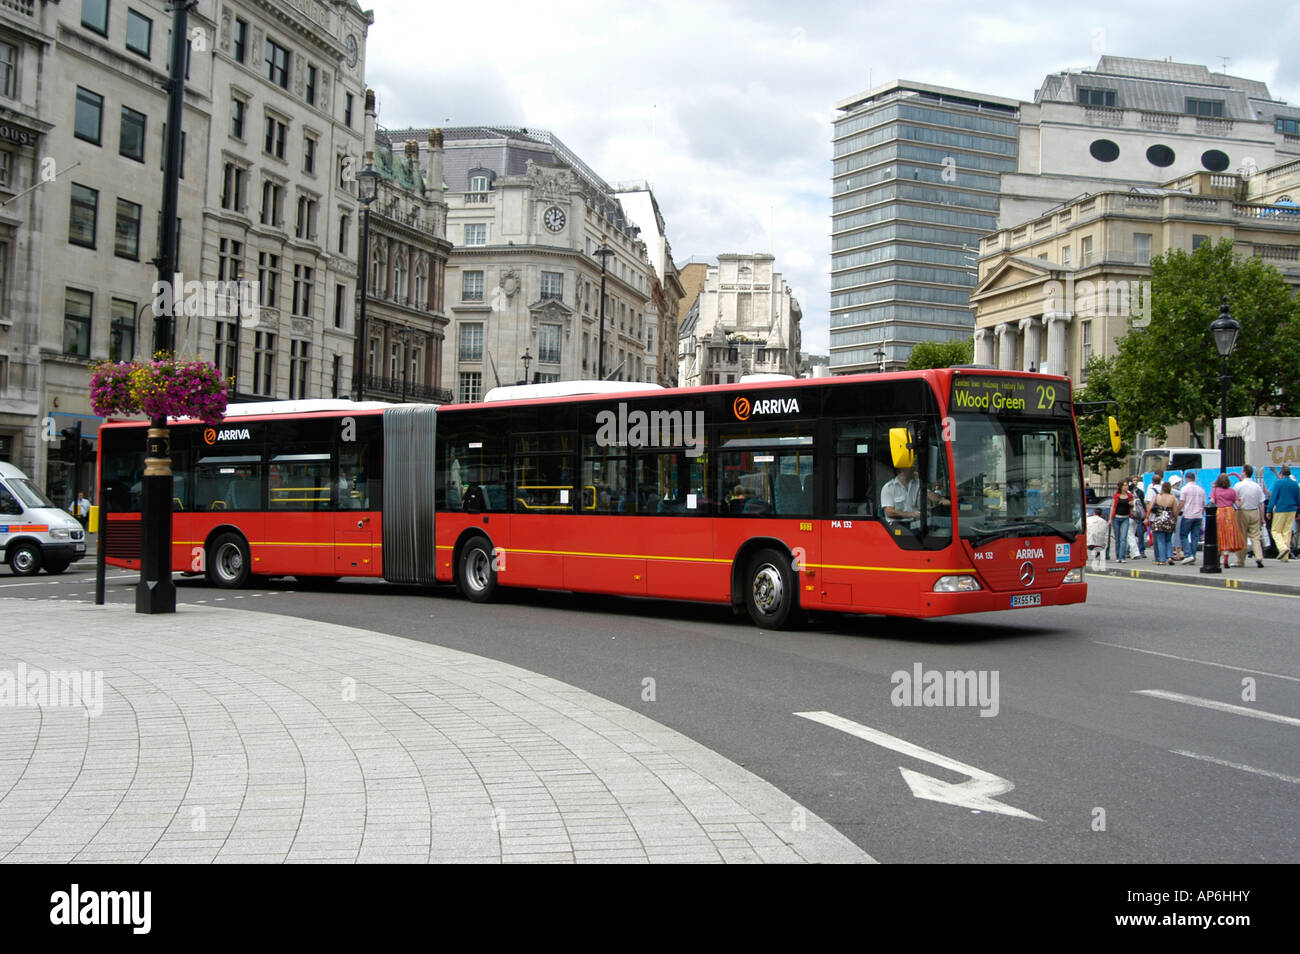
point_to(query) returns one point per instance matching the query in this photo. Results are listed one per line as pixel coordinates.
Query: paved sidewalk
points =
(233, 736)
(1274, 577)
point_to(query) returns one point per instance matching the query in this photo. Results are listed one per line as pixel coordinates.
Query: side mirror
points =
(1115, 440)
(902, 447)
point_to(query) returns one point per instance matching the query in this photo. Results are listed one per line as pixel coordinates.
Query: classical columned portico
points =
(1031, 329)
(1006, 346)
(983, 346)
(1058, 327)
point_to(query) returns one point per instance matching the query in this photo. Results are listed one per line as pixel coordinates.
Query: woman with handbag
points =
(1231, 539)
(1121, 505)
(1164, 521)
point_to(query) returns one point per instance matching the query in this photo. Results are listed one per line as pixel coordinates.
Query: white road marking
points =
(1237, 765)
(1203, 662)
(1218, 706)
(34, 583)
(977, 792)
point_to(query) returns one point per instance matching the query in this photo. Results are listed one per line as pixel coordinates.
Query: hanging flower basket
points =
(162, 388)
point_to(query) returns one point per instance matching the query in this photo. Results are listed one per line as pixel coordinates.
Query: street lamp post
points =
(405, 335)
(367, 189)
(527, 359)
(1225, 329)
(880, 360)
(604, 252)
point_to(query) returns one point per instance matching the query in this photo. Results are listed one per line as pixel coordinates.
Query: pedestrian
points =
(1164, 521)
(80, 508)
(1138, 525)
(1121, 507)
(1098, 534)
(1283, 505)
(1191, 512)
(1231, 540)
(1250, 511)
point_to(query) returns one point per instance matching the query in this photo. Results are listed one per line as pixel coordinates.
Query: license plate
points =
(1027, 599)
(81, 547)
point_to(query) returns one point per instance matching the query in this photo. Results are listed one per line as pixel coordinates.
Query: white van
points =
(34, 533)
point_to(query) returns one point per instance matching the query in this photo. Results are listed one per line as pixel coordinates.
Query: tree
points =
(1094, 426)
(941, 354)
(1168, 372)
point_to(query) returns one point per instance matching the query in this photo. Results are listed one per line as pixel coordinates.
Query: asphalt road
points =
(1157, 723)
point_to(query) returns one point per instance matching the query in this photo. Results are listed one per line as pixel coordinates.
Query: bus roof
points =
(524, 392)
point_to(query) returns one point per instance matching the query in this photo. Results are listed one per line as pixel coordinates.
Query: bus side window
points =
(853, 470)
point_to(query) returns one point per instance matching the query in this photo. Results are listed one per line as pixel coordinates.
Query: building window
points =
(309, 155)
(1198, 241)
(305, 225)
(1085, 348)
(471, 286)
(131, 138)
(83, 216)
(311, 85)
(476, 234)
(1085, 250)
(264, 364)
(394, 361)
(272, 204)
(277, 64)
(1065, 255)
(303, 288)
(1205, 107)
(121, 330)
(230, 261)
(1288, 127)
(94, 16)
(345, 228)
(268, 278)
(89, 121)
(1141, 248)
(76, 322)
(340, 305)
(553, 285)
(8, 71)
(232, 188)
(421, 287)
(224, 355)
(471, 387)
(347, 109)
(299, 367)
(1089, 96)
(338, 375)
(139, 33)
(471, 341)
(237, 110)
(548, 344)
(275, 135)
(127, 232)
(241, 39)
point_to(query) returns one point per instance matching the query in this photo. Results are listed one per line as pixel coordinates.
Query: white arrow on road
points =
(978, 792)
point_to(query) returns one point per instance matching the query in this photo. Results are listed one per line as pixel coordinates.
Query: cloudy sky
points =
(726, 108)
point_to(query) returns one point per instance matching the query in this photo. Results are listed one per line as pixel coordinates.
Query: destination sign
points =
(984, 394)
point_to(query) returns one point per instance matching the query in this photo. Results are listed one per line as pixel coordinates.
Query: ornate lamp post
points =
(367, 190)
(405, 334)
(604, 252)
(1225, 329)
(527, 359)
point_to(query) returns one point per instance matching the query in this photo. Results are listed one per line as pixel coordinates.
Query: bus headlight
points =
(957, 584)
(1074, 576)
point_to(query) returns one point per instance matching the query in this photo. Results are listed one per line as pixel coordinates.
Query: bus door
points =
(357, 532)
(299, 537)
(853, 532)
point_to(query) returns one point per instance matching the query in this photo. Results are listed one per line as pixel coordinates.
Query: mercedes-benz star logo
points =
(1027, 573)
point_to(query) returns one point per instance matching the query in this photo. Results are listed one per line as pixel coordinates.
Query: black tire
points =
(475, 573)
(57, 566)
(25, 559)
(228, 562)
(771, 589)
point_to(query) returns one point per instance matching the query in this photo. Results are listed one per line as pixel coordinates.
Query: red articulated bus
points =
(920, 494)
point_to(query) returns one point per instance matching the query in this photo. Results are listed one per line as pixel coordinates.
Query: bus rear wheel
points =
(477, 573)
(770, 593)
(229, 564)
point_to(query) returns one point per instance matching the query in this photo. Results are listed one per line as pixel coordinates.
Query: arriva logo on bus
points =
(651, 429)
(211, 435)
(744, 409)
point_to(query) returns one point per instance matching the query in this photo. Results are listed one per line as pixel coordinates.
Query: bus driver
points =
(900, 498)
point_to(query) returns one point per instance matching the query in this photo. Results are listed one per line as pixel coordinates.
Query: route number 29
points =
(1046, 397)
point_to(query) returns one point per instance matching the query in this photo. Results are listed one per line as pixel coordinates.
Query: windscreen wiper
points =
(983, 534)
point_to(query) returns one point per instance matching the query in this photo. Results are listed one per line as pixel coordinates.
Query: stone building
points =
(526, 216)
(745, 321)
(406, 323)
(641, 206)
(1063, 287)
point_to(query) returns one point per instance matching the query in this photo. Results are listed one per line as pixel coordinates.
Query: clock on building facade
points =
(554, 219)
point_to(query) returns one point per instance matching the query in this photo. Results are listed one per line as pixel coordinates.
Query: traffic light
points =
(70, 443)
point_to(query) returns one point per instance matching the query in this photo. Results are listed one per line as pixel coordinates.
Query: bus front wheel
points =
(229, 565)
(770, 593)
(478, 575)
